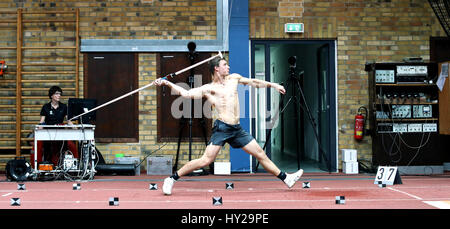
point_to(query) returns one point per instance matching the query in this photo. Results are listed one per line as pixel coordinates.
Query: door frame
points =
(332, 149)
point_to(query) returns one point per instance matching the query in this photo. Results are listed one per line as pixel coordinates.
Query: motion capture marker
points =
(340, 199)
(217, 201)
(76, 186)
(381, 184)
(15, 201)
(113, 201)
(306, 185)
(229, 186)
(20, 186)
(153, 186)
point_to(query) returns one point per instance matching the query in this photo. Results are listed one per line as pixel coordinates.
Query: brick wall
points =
(380, 31)
(136, 19)
(181, 19)
(195, 19)
(366, 30)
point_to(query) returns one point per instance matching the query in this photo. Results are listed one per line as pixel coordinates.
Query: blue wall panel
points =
(239, 63)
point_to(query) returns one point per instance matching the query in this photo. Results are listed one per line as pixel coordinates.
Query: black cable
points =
(150, 154)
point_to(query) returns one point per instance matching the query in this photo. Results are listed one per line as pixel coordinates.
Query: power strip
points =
(382, 115)
(384, 76)
(429, 127)
(401, 111)
(400, 128)
(414, 127)
(384, 128)
(407, 127)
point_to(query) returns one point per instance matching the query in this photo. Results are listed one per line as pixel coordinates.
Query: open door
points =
(326, 123)
(324, 107)
(304, 133)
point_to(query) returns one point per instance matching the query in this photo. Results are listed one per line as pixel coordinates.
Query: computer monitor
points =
(78, 106)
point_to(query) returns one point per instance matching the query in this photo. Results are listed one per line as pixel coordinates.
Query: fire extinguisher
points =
(360, 121)
(3, 67)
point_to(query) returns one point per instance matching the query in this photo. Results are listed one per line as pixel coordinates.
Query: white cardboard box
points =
(350, 167)
(222, 168)
(349, 155)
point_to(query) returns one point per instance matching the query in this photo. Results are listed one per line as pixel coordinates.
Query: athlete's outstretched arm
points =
(259, 83)
(194, 93)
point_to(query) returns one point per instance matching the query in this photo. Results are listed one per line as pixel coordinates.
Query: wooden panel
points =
(444, 105)
(108, 76)
(169, 123)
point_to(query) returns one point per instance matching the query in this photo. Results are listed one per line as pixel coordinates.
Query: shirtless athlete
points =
(222, 94)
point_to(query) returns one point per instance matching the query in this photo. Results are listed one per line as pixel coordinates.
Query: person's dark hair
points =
(53, 90)
(214, 63)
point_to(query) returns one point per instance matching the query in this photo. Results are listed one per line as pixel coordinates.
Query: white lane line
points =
(7, 194)
(438, 204)
(411, 195)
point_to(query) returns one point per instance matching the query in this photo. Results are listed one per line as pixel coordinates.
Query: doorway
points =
(298, 129)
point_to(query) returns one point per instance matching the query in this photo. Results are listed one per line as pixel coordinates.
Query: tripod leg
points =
(182, 122)
(296, 131)
(308, 112)
(278, 112)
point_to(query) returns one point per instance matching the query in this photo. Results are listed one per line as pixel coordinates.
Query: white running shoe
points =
(292, 178)
(167, 186)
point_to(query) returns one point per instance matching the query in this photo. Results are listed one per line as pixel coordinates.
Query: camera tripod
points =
(192, 55)
(293, 83)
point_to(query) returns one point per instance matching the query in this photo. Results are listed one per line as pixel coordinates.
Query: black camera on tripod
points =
(292, 60)
(192, 53)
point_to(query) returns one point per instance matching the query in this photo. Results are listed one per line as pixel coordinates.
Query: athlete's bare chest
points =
(225, 90)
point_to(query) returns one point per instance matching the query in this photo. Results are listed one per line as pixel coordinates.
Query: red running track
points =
(251, 191)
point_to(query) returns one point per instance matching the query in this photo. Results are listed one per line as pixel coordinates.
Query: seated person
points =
(54, 113)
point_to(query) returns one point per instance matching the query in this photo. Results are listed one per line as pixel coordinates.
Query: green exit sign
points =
(293, 28)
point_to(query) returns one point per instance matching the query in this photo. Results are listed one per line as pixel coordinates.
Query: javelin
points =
(148, 85)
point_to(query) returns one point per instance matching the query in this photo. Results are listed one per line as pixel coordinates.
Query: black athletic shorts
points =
(232, 134)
